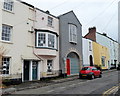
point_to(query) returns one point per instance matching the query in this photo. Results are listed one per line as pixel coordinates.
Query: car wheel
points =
(92, 76)
(100, 76)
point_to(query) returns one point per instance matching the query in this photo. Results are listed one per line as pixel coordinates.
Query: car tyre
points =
(92, 77)
(100, 76)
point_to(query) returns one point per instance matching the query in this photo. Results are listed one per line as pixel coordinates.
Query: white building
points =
(47, 42)
(23, 59)
(88, 59)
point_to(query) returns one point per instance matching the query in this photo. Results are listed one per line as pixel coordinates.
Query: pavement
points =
(38, 84)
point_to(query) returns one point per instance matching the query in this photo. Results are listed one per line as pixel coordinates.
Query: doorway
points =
(91, 60)
(26, 70)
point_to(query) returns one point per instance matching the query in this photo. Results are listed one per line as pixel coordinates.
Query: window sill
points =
(46, 48)
(73, 42)
(8, 11)
(6, 42)
(50, 26)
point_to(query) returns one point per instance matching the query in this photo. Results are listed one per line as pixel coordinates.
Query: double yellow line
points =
(111, 90)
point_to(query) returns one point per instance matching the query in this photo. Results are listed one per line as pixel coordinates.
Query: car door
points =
(95, 71)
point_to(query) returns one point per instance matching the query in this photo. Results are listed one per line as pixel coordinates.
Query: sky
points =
(103, 14)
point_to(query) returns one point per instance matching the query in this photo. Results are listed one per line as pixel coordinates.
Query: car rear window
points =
(86, 68)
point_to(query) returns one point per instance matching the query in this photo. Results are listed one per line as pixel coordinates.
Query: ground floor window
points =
(5, 65)
(49, 65)
(103, 60)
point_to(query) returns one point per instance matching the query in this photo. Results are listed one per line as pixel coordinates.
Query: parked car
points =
(90, 72)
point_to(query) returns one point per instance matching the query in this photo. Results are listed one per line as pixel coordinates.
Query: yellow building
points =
(101, 55)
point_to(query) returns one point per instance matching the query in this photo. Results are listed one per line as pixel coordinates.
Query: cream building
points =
(47, 42)
(23, 58)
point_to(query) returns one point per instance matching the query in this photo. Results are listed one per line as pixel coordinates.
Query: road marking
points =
(111, 90)
(50, 91)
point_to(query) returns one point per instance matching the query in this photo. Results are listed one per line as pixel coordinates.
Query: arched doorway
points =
(73, 63)
(91, 60)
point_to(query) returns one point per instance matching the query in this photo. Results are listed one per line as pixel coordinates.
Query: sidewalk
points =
(38, 84)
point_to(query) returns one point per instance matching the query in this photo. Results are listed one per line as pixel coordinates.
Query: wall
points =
(21, 46)
(110, 44)
(98, 52)
(47, 53)
(65, 46)
(87, 52)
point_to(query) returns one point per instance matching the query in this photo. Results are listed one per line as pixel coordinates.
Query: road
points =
(108, 84)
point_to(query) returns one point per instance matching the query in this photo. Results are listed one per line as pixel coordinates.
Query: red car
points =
(90, 72)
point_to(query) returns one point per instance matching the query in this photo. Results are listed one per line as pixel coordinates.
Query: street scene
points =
(105, 86)
(59, 47)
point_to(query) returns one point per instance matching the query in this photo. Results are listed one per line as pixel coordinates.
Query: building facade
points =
(30, 38)
(70, 44)
(101, 56)
(47, 42)
(88, 59)
(106, 41)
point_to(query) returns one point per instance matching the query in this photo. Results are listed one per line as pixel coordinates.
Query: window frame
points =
(46, 40)
(8, 5)
(50, 67)
(72, 34)
(8, 66)
(10, 34)
(50, 21)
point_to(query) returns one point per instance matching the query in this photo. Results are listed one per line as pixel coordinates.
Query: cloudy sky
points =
(100, 13)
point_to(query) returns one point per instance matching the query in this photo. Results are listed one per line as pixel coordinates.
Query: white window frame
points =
(51, 67)
(72, 33)
(46, 40)
(6, 33)
(7, 4)
(50, 21)
(3, 65)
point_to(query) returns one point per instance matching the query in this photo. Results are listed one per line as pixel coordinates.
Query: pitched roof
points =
(68, 13)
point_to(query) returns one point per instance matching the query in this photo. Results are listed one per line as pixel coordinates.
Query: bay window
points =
(46, 39)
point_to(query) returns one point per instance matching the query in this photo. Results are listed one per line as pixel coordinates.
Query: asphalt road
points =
(108, 84)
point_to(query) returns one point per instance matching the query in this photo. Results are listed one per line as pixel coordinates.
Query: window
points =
(90, 48)
(50, 21)
(85, 68)
(72, 33)
(41, 39)
(6, 32)
(5, 65)
(51, 40)
(45, 39)
(8, 5)
(49, 65)
(103, 60)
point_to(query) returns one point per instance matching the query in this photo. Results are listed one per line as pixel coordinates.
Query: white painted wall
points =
(47, 54)
(21, 46)
(87, 52)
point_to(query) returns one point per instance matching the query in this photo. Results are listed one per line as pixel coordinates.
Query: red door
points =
(68, 66)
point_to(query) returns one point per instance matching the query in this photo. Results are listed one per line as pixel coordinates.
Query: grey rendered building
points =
(70, 44)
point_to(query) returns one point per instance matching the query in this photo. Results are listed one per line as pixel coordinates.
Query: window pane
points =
(6, 32)
(5, 64)
(73, 33)
(41, 39)
(8, 5)
(51, 40)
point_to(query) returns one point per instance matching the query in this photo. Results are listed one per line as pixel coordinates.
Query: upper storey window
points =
(8, 5)
(50, 21)
(72, 33)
